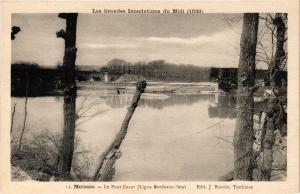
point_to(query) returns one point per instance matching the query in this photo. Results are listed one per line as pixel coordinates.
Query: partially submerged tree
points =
(105, 170)
(243, 136)
(70, 93)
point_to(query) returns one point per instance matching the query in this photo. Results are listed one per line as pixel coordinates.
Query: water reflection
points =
(221, 105)
(123, 100)
(224, 106)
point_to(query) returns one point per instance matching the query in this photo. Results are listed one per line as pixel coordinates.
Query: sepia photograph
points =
(144, 96)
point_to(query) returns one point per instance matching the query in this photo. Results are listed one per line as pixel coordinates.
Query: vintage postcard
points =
(149, 97)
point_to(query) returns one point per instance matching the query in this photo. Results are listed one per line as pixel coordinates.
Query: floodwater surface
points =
(171, 137)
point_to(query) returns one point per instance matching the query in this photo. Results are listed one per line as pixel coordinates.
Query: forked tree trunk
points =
(70, 93)
(243, 136)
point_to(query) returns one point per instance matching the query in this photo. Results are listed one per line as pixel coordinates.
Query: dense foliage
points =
(36, 80)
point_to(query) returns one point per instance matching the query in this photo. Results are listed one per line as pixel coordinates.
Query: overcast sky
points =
(202, 39)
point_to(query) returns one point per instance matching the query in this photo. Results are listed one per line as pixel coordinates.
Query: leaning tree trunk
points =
(70, 93)
(243, 136)
(279, 53)
(105, 171)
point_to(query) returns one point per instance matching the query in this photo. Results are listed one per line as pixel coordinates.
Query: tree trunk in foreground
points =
(275, 120)
(243, 136)
(279, 53)
(105, 170)
(70, 93)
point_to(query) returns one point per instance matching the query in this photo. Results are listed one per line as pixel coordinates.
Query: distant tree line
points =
(45, 81)
(158, 70)
(41, 81)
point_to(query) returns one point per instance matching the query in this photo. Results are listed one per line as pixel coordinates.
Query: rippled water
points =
(168, 137)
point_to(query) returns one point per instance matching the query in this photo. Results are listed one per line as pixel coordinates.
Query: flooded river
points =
(171, 137)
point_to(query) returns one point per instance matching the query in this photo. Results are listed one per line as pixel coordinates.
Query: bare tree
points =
(280, 54)
(25, 114)
(70, 93)
(243, 136)
(12, 118)
(14, 31)
(271, 45)
(86, 111)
